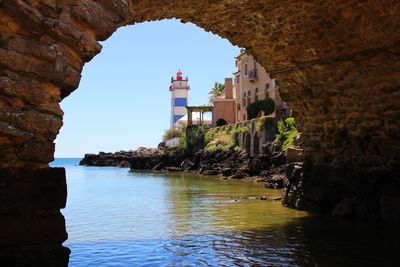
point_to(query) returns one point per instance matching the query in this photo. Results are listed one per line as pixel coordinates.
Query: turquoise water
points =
(120, 218)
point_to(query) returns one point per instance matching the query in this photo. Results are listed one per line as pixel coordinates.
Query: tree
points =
(217, 90)
(175, 131)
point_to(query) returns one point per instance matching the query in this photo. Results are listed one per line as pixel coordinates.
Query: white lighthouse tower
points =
(179, 97)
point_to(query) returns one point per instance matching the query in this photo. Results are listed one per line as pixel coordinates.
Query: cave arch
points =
(337, 62)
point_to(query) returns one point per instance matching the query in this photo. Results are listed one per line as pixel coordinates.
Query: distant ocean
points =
(65, 162)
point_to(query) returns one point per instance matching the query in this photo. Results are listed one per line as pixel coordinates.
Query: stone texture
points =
(294, 154)
(29, 190)
(336, 62)
(43, 256)
(33, 229)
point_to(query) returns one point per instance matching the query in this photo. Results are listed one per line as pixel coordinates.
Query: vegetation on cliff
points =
(287, 132)
(224, 138)
(192, 139)
(263, 122)
(219, 141)
(254, 109)
(174, 132)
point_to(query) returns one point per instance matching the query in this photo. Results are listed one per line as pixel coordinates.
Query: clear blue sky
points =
(123, 100)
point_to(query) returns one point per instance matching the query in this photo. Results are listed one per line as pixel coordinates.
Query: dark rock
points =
(278, 159)
(161, 146)
(239, 175)
(294, 154)
(226, 172)
(42, 189)
(210, 172)
(158, 167)
(254, 167)
(344, 209)
(275, 181)
(188, 165)
(173, 169)
(124, 164)
(390, 208)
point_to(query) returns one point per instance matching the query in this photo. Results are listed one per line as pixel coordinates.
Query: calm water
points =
(120, 218)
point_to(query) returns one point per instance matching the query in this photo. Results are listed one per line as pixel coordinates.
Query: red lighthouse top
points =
(179, 75)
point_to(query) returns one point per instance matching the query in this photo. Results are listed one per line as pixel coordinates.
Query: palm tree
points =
(217, 90)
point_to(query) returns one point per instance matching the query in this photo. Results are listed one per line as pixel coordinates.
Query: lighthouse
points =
(179, 98)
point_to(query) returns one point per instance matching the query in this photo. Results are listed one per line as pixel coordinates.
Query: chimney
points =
(228, 88)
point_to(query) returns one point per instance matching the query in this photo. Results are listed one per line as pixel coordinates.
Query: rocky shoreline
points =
(230, 164)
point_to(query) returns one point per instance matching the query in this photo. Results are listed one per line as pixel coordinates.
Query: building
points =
(179, 98)
(251, 83)
(225, 105)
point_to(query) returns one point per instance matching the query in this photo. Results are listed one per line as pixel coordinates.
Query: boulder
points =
(294, 154)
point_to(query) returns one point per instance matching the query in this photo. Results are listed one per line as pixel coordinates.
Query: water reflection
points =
(116, 218)
(201, 205)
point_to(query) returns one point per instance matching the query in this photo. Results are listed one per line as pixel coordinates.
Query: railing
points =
(253, 75)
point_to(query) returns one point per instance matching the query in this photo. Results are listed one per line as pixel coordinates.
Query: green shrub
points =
(287, 132)
(264, 122)
(240, 129)
(260, 124)
(220, 141)
(194, 138)
(172, 133)
(255, 108)
(209, 136)
(211, 148)
(182, 140)
(237, 149)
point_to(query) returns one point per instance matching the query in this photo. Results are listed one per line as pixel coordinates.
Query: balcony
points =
(253, 75)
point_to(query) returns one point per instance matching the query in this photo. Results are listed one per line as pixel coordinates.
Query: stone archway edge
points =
(337, 63)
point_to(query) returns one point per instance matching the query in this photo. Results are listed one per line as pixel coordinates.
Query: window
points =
(256, 95)
(244, 94)
(245, 69)
(266, 86)
(238, 79)
(256, 90)
(249, 93)
(238, 106)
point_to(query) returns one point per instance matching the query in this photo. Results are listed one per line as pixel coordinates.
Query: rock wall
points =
(258, 139)
(337, 63)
